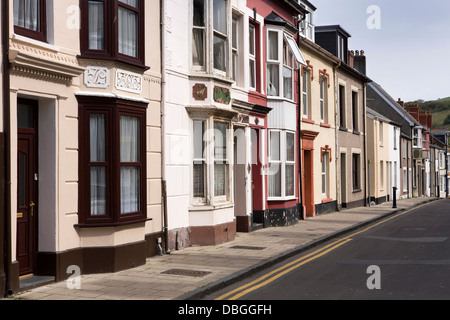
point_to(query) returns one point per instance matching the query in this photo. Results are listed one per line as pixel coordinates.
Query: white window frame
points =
(323, 99)
(282, 163)
(306, 86)
(209, 158)
(324, 174)
(283, 41)
(208, 46)
(252, 57)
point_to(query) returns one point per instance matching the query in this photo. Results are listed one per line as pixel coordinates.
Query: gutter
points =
(6, 219)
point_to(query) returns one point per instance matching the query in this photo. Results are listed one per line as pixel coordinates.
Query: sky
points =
(406, 42)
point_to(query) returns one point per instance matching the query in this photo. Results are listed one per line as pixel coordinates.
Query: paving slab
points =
(190, 273)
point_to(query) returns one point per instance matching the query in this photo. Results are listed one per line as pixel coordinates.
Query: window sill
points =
(35, 42)
(357, 190)
(326, 200)
(110, 224)
(208, 207)
(356, 132)
(325, 125)
(306, 120)
(343, 129)
(282, 199)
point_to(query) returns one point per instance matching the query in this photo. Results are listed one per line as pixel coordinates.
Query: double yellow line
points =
(291, 266)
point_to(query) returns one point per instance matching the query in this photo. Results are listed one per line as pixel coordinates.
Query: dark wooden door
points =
(27, 187)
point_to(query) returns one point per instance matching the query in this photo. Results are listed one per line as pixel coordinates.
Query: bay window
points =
(198, 33)
(112, 161)
(281, 164)
(113, 30)
(30, 18)
(211, 160)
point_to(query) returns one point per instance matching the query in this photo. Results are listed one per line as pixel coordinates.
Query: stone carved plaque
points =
(128, 81)
(96, 77)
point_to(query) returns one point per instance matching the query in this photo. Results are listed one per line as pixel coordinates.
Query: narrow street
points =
(406, 256)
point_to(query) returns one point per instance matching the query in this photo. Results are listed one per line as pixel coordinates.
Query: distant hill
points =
(440, 110)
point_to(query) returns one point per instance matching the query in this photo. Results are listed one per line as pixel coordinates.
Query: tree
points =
(447, 120)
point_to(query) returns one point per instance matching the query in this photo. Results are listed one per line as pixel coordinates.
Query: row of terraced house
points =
(132, 128)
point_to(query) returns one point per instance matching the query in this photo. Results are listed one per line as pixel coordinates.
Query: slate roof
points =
(380, 101)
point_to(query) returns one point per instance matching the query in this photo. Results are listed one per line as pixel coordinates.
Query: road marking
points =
(279, 272)
(283, 270)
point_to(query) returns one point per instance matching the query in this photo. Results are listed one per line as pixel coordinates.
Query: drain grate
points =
(248, 248)
(186, 273)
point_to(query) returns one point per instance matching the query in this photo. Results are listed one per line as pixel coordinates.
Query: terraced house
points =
(82, 129)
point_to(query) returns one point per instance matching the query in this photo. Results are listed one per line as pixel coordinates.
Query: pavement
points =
(193, 272)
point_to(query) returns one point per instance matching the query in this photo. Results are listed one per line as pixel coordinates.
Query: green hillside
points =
(440, 110)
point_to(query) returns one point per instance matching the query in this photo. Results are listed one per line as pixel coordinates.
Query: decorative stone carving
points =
(200, 92)
(128, 81)
(96, 77)
(222, 95)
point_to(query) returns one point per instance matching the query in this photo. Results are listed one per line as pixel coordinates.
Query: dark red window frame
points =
(113, 110)
(111, 29)
(37, 35)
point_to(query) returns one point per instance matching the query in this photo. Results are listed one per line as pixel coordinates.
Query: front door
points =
(27, 186)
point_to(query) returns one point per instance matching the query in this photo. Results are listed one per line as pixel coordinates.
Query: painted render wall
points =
(58, 114)
(326, 134)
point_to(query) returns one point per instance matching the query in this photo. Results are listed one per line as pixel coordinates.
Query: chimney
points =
(400, 102)
(360, 62)
(430, 121)
(351, 58)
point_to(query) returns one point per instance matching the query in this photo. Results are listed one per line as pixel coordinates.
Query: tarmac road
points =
(403, 257)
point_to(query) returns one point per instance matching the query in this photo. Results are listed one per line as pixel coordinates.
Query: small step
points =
(32, 281)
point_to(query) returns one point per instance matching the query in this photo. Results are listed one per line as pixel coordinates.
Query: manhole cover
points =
(248, 248)
(187, 273)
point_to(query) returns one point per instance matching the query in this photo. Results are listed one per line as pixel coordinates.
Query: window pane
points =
(220, 16)
(220, 61)
(96, 25)
(275, 146)
(324, 173)
(273, 45)
(129, 139)
(199, 13)
(98, 191)
(130, 194)
(199, 142)
(287, 83)
(273, 79)
(131, 3)
(274, 180)
(220, 140)
(234, 33)
(198, 51)
(220, 179)
(290, 147)
(290, 180)
(252, 74)
(252, 39)
(128, 32)
(25, 116)
(27, 14)
(97, 138)
(199, 179)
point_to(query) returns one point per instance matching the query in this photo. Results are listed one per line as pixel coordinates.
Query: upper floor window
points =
(210, 32)
(306, 85)
(355, 111)
(281, 50)
(323, 99)
(307, 27)
(113, 30)
(30, 19)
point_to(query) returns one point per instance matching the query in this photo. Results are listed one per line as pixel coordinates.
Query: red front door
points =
(27, 186)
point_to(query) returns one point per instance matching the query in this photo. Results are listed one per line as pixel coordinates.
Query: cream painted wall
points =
(327, 136)
(58, 134)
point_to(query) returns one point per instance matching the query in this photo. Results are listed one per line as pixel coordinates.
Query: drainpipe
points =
(366, 181)
(6, 220)
(338, 164)
(163, 120)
